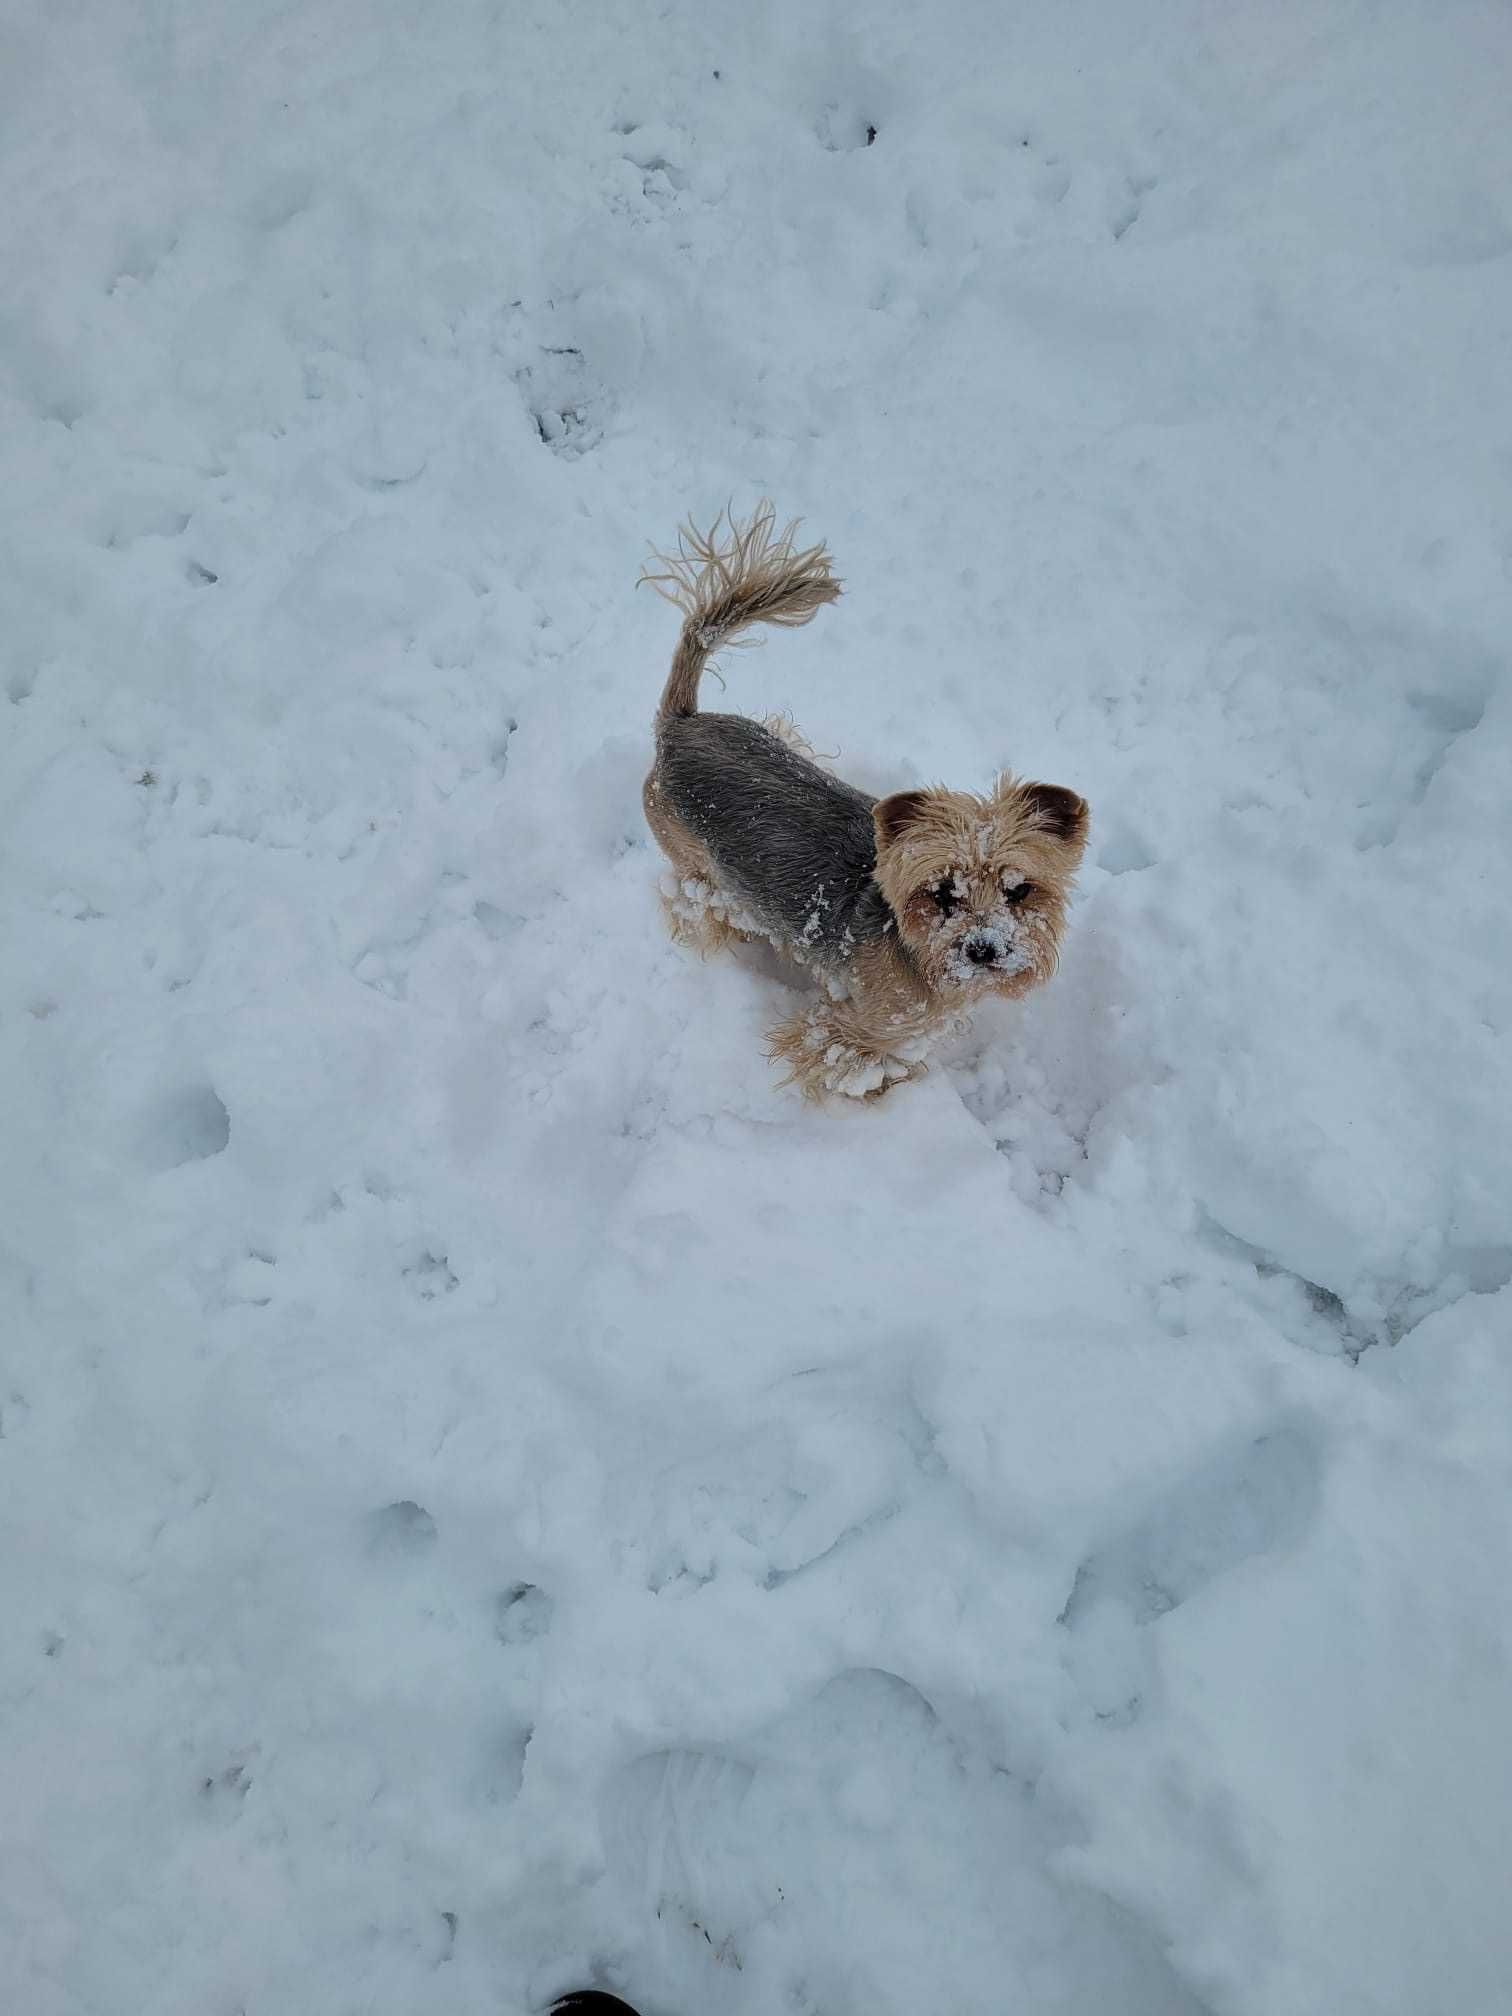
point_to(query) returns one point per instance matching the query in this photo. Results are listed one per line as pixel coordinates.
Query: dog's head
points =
(979, 885)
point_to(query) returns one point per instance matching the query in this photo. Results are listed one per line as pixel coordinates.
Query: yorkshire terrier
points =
(910, 908)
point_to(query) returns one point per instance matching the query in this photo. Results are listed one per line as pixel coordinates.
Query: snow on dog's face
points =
(979, 885)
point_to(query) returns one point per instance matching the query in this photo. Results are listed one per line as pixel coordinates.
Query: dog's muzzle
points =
(985, 955)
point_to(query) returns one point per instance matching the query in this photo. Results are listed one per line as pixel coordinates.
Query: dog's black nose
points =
(980, 951)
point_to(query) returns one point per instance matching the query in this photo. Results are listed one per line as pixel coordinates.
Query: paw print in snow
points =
(430, 1276)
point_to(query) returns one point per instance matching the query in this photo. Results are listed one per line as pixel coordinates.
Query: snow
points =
(494, 1494)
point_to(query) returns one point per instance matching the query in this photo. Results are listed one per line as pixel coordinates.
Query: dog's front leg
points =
(835, 1047)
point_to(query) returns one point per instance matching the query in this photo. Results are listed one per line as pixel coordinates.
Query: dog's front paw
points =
(860, 1074)
(824, 1061)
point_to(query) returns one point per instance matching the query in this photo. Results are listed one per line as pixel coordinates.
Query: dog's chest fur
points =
(794, 846)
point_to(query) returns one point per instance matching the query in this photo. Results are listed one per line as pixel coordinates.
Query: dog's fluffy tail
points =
(724, 580)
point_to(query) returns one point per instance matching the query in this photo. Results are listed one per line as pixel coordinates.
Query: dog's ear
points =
(1057, 811)
(893, 816)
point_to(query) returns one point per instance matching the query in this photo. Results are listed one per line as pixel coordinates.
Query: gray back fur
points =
(793, 845)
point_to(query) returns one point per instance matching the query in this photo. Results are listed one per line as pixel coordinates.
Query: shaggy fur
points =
(910, 908)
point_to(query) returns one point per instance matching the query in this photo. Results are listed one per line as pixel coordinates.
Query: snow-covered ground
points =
(494, 1494)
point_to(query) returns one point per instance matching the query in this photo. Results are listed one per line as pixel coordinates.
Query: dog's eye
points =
(1015, 892)
(944, 894)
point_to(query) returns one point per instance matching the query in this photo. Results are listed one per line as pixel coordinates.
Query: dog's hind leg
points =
(698, 913)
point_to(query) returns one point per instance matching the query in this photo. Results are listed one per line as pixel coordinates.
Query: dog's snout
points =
(980, 951)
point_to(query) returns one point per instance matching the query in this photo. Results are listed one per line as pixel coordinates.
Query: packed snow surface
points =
(493, 1494)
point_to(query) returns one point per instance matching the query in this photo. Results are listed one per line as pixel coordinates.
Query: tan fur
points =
(786, 729)
(690, 907)
(976, 887)
(981, 843)
(723, 583)
(866, 1044)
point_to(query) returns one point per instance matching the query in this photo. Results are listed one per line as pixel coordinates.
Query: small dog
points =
(910, 908)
